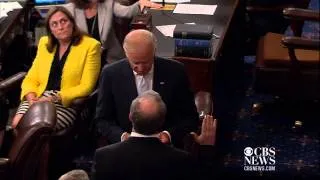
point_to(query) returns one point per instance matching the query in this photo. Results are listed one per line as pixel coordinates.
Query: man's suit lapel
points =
(128, 82)
(158, 80)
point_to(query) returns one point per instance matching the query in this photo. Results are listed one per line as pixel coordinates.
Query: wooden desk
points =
(229, 14)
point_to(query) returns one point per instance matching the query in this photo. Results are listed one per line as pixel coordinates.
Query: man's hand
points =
(148, 3)
(164, 138)
(208, 132)
(125, 136)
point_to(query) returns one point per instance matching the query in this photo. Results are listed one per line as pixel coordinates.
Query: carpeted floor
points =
(270, 125)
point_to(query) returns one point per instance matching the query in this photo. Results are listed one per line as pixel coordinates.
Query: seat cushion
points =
(272, 53)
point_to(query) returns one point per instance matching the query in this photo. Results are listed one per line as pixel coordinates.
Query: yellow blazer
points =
(79, 75)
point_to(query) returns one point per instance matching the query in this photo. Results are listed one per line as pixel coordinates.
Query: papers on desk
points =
(171, 1)
(167, 30)
(195, 9)
(6, 7)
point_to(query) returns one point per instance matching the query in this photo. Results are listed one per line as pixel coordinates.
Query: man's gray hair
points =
(76, 174)
(146, 35)
(144, 122)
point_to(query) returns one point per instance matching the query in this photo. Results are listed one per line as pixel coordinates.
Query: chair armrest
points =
(264, 9)
(78, 103)
(301, 14)
(300, 43)
(11, 82)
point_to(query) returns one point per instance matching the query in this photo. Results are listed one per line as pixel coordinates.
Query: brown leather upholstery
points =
(5, 86)
(25, 159)
(10, 82)
(289, 66)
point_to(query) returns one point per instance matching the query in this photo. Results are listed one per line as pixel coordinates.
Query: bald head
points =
(139, 40)
(147, 113)
(139, 46)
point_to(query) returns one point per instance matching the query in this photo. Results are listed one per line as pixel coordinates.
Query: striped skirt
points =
(65, 116)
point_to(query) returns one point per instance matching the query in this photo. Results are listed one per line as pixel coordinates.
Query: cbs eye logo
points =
(248, 151)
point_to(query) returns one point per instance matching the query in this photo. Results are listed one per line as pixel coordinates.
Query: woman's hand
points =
(31, 98)
(148, 3)
(54, 99)
(48, 99)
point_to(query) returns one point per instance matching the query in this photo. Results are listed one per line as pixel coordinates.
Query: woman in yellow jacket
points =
(66, 67)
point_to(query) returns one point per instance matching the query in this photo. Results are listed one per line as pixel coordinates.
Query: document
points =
(195, 9)
(166, 30)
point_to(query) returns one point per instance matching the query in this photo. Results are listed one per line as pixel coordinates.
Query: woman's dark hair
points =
(83, 3)
(76, 33)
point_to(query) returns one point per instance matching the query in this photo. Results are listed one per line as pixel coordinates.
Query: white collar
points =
(149, 73)
(135, 134)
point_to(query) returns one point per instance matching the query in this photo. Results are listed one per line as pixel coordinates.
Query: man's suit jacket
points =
(142, 158)
(117, 89)
(106, 11)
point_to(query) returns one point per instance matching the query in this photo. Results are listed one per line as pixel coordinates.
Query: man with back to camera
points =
(124, 80)
(144, 156)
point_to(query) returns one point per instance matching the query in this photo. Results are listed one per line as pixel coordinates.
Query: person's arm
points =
(105, 119)
(126, 11)
(129, 11)
(89, 76)
(31, 82)
(206, 157)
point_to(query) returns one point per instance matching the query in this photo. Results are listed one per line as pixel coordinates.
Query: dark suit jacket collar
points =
(159, 72)
(151, 140)
(129, 79)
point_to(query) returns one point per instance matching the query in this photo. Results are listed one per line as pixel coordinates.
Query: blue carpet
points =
(296, 147)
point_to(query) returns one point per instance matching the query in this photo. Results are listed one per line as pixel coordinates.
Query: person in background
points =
(66, 67)
(144, 156)
(96, 18)
(124, 80)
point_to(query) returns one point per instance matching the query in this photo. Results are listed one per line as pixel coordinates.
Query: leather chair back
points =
(31, 139)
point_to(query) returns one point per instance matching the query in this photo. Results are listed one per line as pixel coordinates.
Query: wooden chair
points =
(267, 17)
(289, 67)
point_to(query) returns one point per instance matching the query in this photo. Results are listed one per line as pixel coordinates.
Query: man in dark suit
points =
(144, 156)
(124, 80)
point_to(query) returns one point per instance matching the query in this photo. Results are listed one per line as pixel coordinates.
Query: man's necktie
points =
(143, 85)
